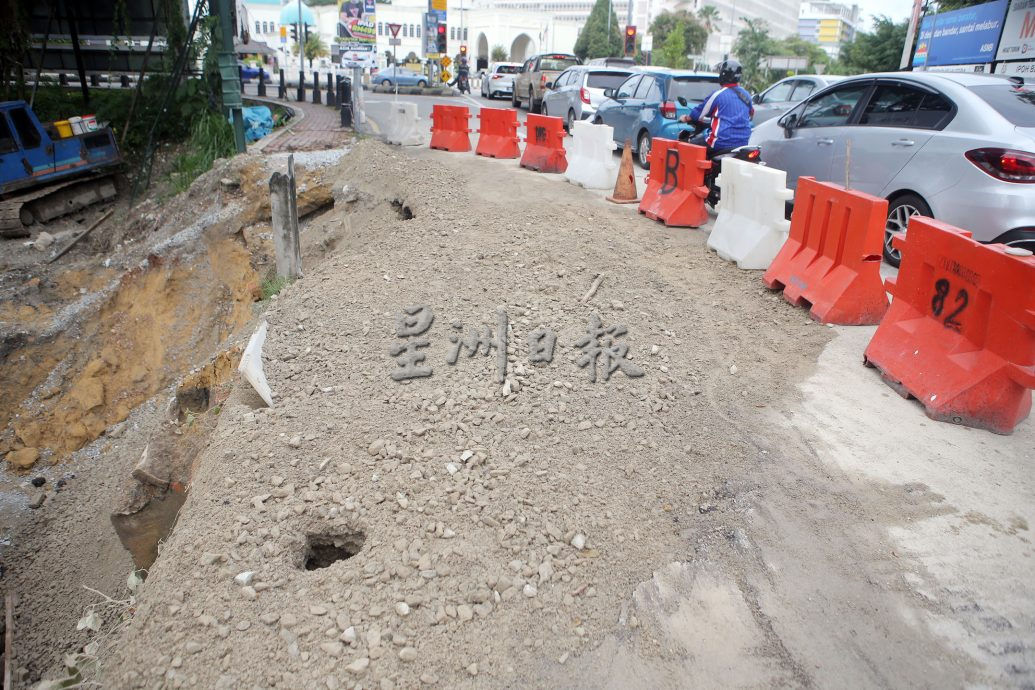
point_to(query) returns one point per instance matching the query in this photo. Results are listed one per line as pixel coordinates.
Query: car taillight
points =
(584, 95)
(542, 80)
(668, 110)
(752, 155)
(496, 76)
(1005, 164)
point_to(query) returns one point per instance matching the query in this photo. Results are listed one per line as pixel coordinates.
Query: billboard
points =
(357, 35)
(1018, 41)
(961, 37)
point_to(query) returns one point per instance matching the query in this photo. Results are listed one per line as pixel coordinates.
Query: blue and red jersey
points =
(729, 111)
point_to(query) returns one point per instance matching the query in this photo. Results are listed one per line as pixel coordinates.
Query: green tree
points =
(499, 54)
(802, 48)
(314, 48)
(876, 51)
(694, 34)
(673, 50)
(709, 17)
(595, 41)
(752, 46)
(948, 5)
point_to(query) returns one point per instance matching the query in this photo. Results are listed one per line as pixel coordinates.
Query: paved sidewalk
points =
(320, 129)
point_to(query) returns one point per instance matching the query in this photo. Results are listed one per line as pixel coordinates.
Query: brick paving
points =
(319, 130)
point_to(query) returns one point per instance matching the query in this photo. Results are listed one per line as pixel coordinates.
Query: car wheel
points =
(899, 212)
(386, 82)
(643, 150)
(571, 120)
(542, 109)
(422, 84)
(533, 107)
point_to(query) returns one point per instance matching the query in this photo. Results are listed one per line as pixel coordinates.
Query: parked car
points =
(578, 91)
(401, 76)
(646, 105)
(625, 62)
(530, 82)
(249, 72)
(498, 80)
(778, 98)
(953, 146)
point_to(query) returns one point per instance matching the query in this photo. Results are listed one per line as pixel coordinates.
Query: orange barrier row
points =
(675, 190)
(960, 334)
(544, 144)
(831, 259)
(497, 133)
(450, 131)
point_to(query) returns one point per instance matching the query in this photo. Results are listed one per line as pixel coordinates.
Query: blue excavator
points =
(48, 170)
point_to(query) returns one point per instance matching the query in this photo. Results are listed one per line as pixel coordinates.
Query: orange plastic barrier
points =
(675, 190)
(960, 334)
(544, 144)
(497, 133)
(831, 260)
(449, 131)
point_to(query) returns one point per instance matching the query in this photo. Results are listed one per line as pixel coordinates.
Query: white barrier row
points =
(591, 163)
(750, 228)
(398, 122)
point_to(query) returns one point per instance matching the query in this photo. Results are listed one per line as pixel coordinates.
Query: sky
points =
(896, 9)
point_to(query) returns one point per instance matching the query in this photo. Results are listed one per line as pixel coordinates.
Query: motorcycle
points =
(751, 154)
(463, 83)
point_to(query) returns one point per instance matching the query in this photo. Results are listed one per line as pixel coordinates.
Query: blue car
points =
(249, 72)
(646, 105)
(401, 76)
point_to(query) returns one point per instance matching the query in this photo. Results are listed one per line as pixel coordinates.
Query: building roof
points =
(289, 15)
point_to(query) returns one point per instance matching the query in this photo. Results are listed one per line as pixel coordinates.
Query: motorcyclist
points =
(727, 113)
(463, 75)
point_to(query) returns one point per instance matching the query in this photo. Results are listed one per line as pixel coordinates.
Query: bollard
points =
(316, 88)
(345, 99)
(301, 87)
(332, 99)
(262, 81)
(284, 216)
(124, 81)
(95, 80)
(63, 79)
(282, 89)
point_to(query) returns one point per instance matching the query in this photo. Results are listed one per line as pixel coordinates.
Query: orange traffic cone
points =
(625, 185)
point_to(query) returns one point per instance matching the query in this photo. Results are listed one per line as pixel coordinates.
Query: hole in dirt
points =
(402, 209)
(322, 550)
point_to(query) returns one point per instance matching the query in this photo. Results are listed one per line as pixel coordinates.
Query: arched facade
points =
(482, 52)
(522, 48)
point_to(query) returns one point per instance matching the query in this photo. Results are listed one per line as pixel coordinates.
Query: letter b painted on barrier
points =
(960, 334)
(831, 260)
(675, 190)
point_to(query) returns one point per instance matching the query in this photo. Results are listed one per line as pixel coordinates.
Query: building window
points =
(257, 28)
(465, 33)
(380, 29)
(418, 31)
(452, 33)
(412, 31)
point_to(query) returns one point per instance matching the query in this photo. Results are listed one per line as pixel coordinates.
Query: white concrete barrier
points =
(404, 125)
(750, 228)
(591, 163)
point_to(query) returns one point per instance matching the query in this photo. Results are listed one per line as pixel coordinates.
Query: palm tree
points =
(709, 16)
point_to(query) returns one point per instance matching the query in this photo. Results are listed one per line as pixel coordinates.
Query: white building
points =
(828, 24)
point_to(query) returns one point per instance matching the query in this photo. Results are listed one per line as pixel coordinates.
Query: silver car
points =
(498, 80)
(579, 90)
(778, 98)
(959, 147)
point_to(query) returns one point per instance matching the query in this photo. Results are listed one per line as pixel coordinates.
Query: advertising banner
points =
(961, 37)
(357, 34)
(1018, 41)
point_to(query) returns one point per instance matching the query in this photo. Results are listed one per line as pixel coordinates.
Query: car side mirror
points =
(757, 98)
(682, 101)
(788, 124)
(609, 93)
(549, 84)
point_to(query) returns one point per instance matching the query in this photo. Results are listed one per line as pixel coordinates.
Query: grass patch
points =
(272, 286)
(211, 137)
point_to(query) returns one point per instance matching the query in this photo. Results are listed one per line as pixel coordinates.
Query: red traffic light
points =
(442, 29)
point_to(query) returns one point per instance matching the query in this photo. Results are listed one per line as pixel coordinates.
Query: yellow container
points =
(64, 128)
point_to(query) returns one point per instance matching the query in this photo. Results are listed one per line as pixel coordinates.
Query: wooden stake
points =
(80, 236)
(9, 642)
(592, 288)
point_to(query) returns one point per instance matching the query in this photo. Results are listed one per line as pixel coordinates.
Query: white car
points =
(498, 80)
(959, 147)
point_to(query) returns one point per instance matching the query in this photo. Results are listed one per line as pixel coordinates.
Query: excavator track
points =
(50, 202)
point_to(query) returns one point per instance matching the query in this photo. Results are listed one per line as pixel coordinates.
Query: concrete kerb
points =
(448, 92)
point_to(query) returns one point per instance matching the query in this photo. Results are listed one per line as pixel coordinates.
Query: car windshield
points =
(1015, 103)
(508, 69)
(557, 63)
(691, 89)
(605, 80)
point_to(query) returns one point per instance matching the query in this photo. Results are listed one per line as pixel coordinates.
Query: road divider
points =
(960, 334)
(592, 162)
(404, 125)
(544, 144)
(450, 130)
(750, 228)
(831, 259)
(675, 190)
(497, 133)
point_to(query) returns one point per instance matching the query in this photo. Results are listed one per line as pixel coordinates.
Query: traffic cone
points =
(625, 185)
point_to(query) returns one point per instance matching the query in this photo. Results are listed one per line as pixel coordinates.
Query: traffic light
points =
(441, 42)
(463, 51)
(630, 40)
(294, 33)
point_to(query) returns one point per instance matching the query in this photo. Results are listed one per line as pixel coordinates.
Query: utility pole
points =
(914, 25)
(229, 75)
